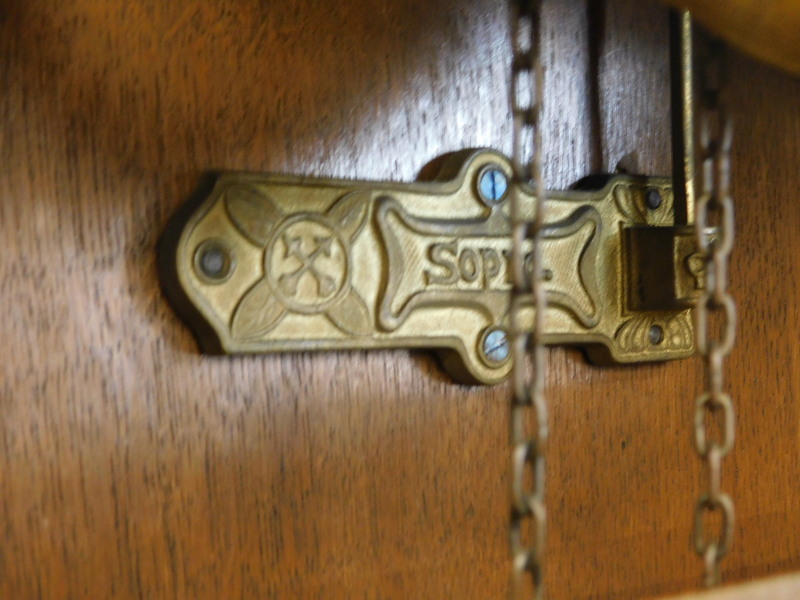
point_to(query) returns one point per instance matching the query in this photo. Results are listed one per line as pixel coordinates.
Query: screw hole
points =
(213, 261)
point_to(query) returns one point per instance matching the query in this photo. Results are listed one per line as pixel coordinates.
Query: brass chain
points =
(716, 134)
(529, 427)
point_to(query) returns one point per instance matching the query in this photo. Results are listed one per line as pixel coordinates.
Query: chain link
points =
(714, 244)
(529, 422)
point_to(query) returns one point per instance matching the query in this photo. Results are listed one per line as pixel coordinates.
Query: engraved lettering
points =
(547, 274)
(468, 265)
(491, 264)
(528, 264)
(438, 258)
(490, 267)
(509, 278)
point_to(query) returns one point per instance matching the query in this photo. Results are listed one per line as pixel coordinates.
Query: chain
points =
(716, 133)
(529, 427)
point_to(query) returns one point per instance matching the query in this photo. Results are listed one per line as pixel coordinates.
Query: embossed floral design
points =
(633, 336)
(307, 263)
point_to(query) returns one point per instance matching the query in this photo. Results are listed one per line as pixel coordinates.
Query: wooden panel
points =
(133, 467)
(786, 587)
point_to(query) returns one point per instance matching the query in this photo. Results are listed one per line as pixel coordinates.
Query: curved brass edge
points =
(167, 250)
(452, 170)
(454, 166)
(453, 355)
(459, 369)
(213, 336)
(603, 355)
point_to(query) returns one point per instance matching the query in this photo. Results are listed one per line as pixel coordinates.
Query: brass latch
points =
(272, 263)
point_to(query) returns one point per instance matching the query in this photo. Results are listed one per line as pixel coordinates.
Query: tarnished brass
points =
(665, 271)
(273, 263)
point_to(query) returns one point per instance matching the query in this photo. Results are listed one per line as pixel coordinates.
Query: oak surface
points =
(133, 467)
(785, 587)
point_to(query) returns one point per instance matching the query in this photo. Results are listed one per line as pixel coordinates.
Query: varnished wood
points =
(786, 587)
(133, 467)
(767, 30)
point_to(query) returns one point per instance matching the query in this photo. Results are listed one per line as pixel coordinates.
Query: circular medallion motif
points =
(307, 263)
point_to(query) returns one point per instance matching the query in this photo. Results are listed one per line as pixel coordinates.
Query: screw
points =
(495, 346)
(652, 199)
(656, 335)
(213, 260)
(492, 185)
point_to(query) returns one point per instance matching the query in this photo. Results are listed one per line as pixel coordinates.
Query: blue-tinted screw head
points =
(492, 185)
(496, 348)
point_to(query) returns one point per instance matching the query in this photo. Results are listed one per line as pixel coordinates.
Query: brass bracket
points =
(274, 263)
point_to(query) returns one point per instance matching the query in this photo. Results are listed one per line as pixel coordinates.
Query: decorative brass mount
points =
(273, 263)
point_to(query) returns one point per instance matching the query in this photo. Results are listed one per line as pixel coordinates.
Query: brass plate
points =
(274, 263)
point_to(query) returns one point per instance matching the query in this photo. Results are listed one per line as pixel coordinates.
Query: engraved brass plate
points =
(273, 263)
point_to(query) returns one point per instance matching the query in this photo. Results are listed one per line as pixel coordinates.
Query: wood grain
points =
(133, 467)
(786, 587)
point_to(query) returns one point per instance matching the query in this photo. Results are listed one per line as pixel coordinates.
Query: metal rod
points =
(682, 76)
